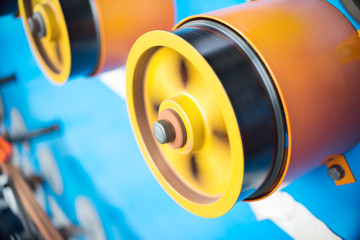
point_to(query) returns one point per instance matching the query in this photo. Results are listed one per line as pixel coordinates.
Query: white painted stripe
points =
(58, 217)
(49, 168)
(292, 217)
(89, 218)
(116, 81)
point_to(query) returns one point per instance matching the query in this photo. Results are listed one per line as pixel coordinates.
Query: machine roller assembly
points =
(74, 38)
(233, 104)
(246, 111)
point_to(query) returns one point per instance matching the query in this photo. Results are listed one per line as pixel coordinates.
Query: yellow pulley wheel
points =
(204, 172)
(47, 34)
(185, 110)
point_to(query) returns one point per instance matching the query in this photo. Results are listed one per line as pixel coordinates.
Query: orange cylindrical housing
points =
(310, 49)
(121, 22)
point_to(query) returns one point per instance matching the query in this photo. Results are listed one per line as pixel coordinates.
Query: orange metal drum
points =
(122, 22)
(308, 47)
(86, 37)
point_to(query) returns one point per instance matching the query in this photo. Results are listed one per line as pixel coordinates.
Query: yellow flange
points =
(205, 175)
(52, 49)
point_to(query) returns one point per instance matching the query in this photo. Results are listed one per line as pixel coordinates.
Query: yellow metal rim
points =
(51, 52)
(214, 201)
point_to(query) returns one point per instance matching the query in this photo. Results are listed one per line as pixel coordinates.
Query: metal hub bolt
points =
(162, 132)
(37, 25)
(336, 172)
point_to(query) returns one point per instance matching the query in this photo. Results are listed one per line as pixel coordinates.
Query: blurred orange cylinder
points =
(85, 37)
(308, 48)
(122, 22)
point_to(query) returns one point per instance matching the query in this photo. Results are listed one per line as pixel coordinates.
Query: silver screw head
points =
(162, 131)
(336, 172)
(37, 25)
